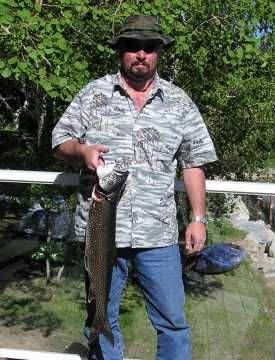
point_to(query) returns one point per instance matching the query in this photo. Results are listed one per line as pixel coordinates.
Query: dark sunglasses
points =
(136, 45)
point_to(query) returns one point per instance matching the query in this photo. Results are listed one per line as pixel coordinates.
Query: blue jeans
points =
(160, 276)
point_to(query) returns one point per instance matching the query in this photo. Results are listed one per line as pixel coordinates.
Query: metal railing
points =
(65, 179)
(35, 355)
(72, 179)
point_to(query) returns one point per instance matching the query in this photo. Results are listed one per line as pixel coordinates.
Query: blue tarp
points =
(218, 258)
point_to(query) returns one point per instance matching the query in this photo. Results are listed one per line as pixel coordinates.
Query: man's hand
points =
(72, 151)
(195, 236)
(92, 155)
(92, 158)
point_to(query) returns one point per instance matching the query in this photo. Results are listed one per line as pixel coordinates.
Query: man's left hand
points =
(195, 236)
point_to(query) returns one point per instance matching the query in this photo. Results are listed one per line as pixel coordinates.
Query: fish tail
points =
(107, 332)
(104, 329)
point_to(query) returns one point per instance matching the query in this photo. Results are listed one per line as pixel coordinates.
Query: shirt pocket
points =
(118, 144)
(156, 157)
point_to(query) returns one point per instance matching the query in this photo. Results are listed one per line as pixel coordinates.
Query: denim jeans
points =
(160, 276)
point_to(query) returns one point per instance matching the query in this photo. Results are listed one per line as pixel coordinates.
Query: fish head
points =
(112, 177)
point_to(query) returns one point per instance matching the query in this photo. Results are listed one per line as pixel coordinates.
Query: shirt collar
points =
(156, 91)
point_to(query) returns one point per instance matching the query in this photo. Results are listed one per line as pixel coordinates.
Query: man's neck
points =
(138, 85)
(138, 90)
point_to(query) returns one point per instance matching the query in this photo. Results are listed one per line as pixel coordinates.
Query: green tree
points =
(222, 57)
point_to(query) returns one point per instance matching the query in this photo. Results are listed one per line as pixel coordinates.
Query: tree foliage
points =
(222, 57)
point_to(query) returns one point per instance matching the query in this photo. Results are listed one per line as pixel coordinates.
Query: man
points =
(137, 116)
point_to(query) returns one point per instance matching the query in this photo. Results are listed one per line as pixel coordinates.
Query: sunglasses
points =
(136, 46)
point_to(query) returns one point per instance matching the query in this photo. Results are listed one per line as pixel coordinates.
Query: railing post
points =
(270, 211)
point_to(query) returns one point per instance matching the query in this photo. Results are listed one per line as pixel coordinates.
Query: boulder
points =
(271, 250)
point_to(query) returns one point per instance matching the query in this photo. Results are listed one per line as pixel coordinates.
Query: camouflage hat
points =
(141, 27)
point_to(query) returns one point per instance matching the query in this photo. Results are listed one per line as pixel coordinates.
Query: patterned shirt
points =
(168, 129)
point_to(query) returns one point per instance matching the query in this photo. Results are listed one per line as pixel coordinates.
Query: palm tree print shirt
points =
(168, 130)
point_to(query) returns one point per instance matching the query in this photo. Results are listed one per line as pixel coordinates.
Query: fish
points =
(100, 249)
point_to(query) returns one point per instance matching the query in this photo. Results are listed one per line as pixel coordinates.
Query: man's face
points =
(139, 58)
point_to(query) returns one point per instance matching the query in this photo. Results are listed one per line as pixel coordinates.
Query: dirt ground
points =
(16, 337)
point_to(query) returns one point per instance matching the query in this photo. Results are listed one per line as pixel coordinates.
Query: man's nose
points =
(141, 54)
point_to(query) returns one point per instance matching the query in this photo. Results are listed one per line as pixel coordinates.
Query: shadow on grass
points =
(132, 297)
(27, 312)
(77, 348)
(196, 284)
(22, 303)
(199, 285)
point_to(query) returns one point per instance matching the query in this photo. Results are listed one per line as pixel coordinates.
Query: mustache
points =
(140, 62)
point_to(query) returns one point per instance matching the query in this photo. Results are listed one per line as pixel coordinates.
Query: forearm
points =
(89, 155)
(194, 181)
(70, 151)
(195, 233)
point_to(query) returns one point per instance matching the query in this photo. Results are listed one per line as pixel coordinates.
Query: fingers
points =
(188, 239)
(198, 245)
(95, 196)
(195, 237)
(101, 148)
(93, 156)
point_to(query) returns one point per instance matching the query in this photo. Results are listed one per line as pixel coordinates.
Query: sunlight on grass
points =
(232, 315)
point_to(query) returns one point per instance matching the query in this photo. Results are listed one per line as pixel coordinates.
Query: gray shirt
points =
(167, 130)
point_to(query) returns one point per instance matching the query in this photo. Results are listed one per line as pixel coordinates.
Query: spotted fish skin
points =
(100, 251)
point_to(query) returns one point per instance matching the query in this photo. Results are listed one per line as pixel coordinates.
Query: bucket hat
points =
(141, 27)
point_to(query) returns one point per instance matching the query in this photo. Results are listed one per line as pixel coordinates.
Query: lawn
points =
(232, 315)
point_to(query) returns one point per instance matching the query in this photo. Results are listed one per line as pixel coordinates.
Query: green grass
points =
(223, 232)
(232, 315)
(50, 309)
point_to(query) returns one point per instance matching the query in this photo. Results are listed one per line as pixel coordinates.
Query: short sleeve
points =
(196, 148)
(72, 124)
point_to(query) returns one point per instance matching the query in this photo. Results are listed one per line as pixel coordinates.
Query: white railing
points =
(35, 355)
(65, 179)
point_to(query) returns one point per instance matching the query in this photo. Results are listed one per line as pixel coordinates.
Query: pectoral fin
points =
(91, 295)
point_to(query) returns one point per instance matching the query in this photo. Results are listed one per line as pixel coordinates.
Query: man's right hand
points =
(72, 151)
(92, 155)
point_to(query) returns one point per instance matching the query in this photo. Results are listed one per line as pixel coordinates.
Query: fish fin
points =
(91, 295)
(85, 263)
(96, 329)
(93, 334)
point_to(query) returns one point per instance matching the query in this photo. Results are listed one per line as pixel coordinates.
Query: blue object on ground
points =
(219, 258)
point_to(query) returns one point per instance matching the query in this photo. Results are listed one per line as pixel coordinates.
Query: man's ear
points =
(161, 50)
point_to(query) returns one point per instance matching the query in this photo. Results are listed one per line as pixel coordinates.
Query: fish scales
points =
(99, 258)
(100, 250)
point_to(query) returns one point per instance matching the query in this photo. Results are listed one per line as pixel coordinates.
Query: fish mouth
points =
(99, 194)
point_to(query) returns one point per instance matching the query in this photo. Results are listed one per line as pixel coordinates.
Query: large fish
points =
(100, 248)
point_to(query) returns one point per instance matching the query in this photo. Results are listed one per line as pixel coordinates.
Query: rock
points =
(271, 250)
(240, 213)
(259, 239)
